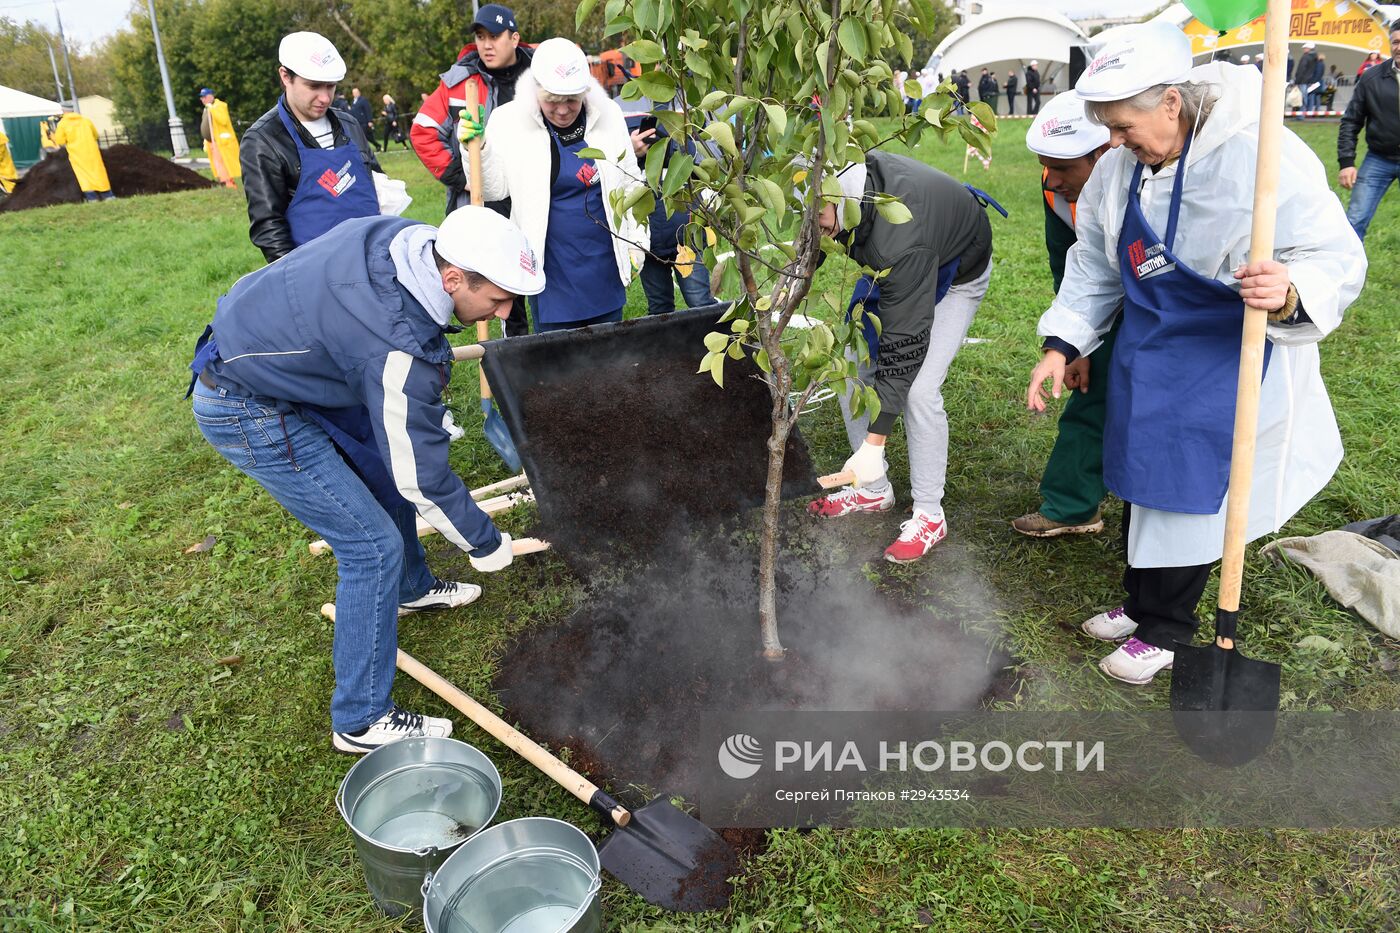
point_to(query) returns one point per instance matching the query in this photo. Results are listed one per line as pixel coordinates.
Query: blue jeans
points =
(661, 296)
(1373, 179)
(381, 560)
(1312, 100)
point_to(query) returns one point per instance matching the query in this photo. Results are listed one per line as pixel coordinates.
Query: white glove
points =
(498, 559)
(868, 464)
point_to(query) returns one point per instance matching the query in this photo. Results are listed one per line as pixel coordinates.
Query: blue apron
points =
(868, 293)
(579, 264)
(1169, 426)
(335, 185)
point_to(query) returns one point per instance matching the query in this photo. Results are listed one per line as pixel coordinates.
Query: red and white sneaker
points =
(917, 536)
(849, 499)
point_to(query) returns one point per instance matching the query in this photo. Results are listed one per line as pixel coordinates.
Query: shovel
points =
(1224, 704)
(497, 434)
(669, 858)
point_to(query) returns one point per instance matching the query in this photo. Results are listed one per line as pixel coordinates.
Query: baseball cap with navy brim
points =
(205, 92)
(495, 19)
(482, 241)
(1062, 130)
(1140, 57)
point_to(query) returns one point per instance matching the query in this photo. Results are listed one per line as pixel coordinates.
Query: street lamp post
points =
(177, 128)
(53, 63)
(67, 62)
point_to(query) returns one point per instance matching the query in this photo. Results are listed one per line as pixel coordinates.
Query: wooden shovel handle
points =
(483, 330)
(518, 546)
(1261, 247)
(832, 480)
(472, 351)
(556, 770)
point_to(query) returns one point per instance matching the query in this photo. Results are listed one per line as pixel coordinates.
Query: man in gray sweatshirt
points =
(936, 267)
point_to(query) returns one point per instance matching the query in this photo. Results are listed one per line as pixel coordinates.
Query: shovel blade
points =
(1224, 705)
(499, 436)
(671, 859)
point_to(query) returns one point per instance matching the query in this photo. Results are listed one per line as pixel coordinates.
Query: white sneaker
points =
(1113, 625)
(1136, 662)
(444, 595)
(392, 726)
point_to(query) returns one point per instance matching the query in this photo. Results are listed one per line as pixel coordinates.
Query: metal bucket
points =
(534, 875)
(411, 803)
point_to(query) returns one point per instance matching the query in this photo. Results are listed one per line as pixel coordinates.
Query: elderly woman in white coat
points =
(560, 199)
(1164, 230)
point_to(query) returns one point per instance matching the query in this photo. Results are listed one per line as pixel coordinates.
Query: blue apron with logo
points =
(867, 292)
(1169, 427)
(335, 185)
(580, 268)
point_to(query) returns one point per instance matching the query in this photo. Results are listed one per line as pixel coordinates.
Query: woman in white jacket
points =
(560, 200)
(1164, 230)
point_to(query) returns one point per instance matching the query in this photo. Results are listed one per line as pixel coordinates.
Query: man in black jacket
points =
(988, 90)
(937, 266)
(306, 166)
(361, 110)
(1033, 88)
(1012, 82)
(1375, 104)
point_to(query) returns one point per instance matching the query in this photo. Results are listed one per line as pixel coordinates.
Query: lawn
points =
(148, 783)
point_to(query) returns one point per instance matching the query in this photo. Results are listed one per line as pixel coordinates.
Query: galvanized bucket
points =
(533, 875)
(409, 804)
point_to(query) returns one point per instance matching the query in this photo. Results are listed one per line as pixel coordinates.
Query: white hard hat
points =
(1034, 62)
(1063, 131)
(1141, 57)
(480, 240)
(1309, 45)
(1244, 58)
(560, 67)
(311, 56)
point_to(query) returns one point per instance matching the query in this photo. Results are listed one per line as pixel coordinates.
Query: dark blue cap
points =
(495, 19)
(204, 92)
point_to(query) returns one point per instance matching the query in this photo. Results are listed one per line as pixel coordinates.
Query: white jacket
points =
(1299, 446)
(515, 162)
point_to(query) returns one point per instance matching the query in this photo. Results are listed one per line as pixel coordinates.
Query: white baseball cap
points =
(480, 240)
(311, 56)
(1141, 57)
(1244, 59)
(1063, 131)
(1309, 45)
(560, 67)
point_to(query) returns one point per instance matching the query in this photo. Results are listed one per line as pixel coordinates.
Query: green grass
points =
(143, 786)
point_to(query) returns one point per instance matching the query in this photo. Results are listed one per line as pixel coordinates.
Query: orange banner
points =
(1341, 23)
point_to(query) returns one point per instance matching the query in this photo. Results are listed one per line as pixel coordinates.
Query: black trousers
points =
(1162, 600)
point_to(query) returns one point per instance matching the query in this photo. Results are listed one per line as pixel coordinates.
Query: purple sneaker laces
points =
(1134, 648)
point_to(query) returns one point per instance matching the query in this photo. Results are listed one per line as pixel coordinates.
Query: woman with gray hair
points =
(560, 199)
(1164, 232)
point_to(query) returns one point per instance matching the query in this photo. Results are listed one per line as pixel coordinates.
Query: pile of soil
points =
(622, 681)
(132, 171)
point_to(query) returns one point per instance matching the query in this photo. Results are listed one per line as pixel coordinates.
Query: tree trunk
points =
(768, 540)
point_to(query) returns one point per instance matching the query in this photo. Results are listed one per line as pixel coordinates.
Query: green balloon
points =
(1223, 15)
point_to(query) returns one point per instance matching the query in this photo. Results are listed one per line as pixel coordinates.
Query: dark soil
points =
(132, 171)
(622, 681)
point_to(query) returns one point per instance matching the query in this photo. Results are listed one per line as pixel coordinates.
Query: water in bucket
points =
(530, 893)
(439, 805)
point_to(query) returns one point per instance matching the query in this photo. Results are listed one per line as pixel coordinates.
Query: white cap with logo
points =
(560, 67)
(480, 240)
(1138, 58)
(311, 56)
(1062, 130)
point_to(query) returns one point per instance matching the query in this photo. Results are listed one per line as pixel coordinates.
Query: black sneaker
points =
(444, 595)
(392, 726)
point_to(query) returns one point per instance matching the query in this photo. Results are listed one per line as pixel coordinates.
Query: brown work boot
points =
(1037, 525)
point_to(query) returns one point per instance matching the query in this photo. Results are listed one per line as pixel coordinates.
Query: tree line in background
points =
(398, 47)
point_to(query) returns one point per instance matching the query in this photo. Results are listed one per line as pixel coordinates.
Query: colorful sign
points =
(1341, 23)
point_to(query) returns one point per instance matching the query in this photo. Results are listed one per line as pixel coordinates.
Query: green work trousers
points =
(1072, 485)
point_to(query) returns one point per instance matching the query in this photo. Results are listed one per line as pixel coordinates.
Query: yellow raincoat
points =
(8, 174)
(46, 134)
(225, 164)
(77, 133)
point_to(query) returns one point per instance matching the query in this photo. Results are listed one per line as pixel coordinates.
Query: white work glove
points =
(498, 559)
(868, 464)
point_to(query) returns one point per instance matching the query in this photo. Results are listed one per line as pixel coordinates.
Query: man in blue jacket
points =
(321, 377)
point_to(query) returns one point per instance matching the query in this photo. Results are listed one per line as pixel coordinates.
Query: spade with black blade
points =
(493, 425)
(1224, 704)
(671, 859)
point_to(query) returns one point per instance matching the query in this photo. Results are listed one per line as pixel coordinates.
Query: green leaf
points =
(705, 362)
(698, 63)
(591, 153)
(926, 19)
(906, 52)
(894, 212)
(984, 115)
(761, 358)
(770, 194)
(1320, 643)
(736, 350)
(713, 100)
(677, 173)
(717, 370)
(872, 402)
(673, 121)
(973, 138)
(656, 159)
(715, 341)
(644, 51)
(723, 136)
(647, 14)
(913, 89)
(851, 35)
(777, 118)
(584, 8)
(656, 85)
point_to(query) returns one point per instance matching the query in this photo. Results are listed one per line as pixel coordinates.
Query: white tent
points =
(15, 103)
(1007, 39)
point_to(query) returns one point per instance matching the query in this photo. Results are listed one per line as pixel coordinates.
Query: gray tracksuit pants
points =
(925, 421)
